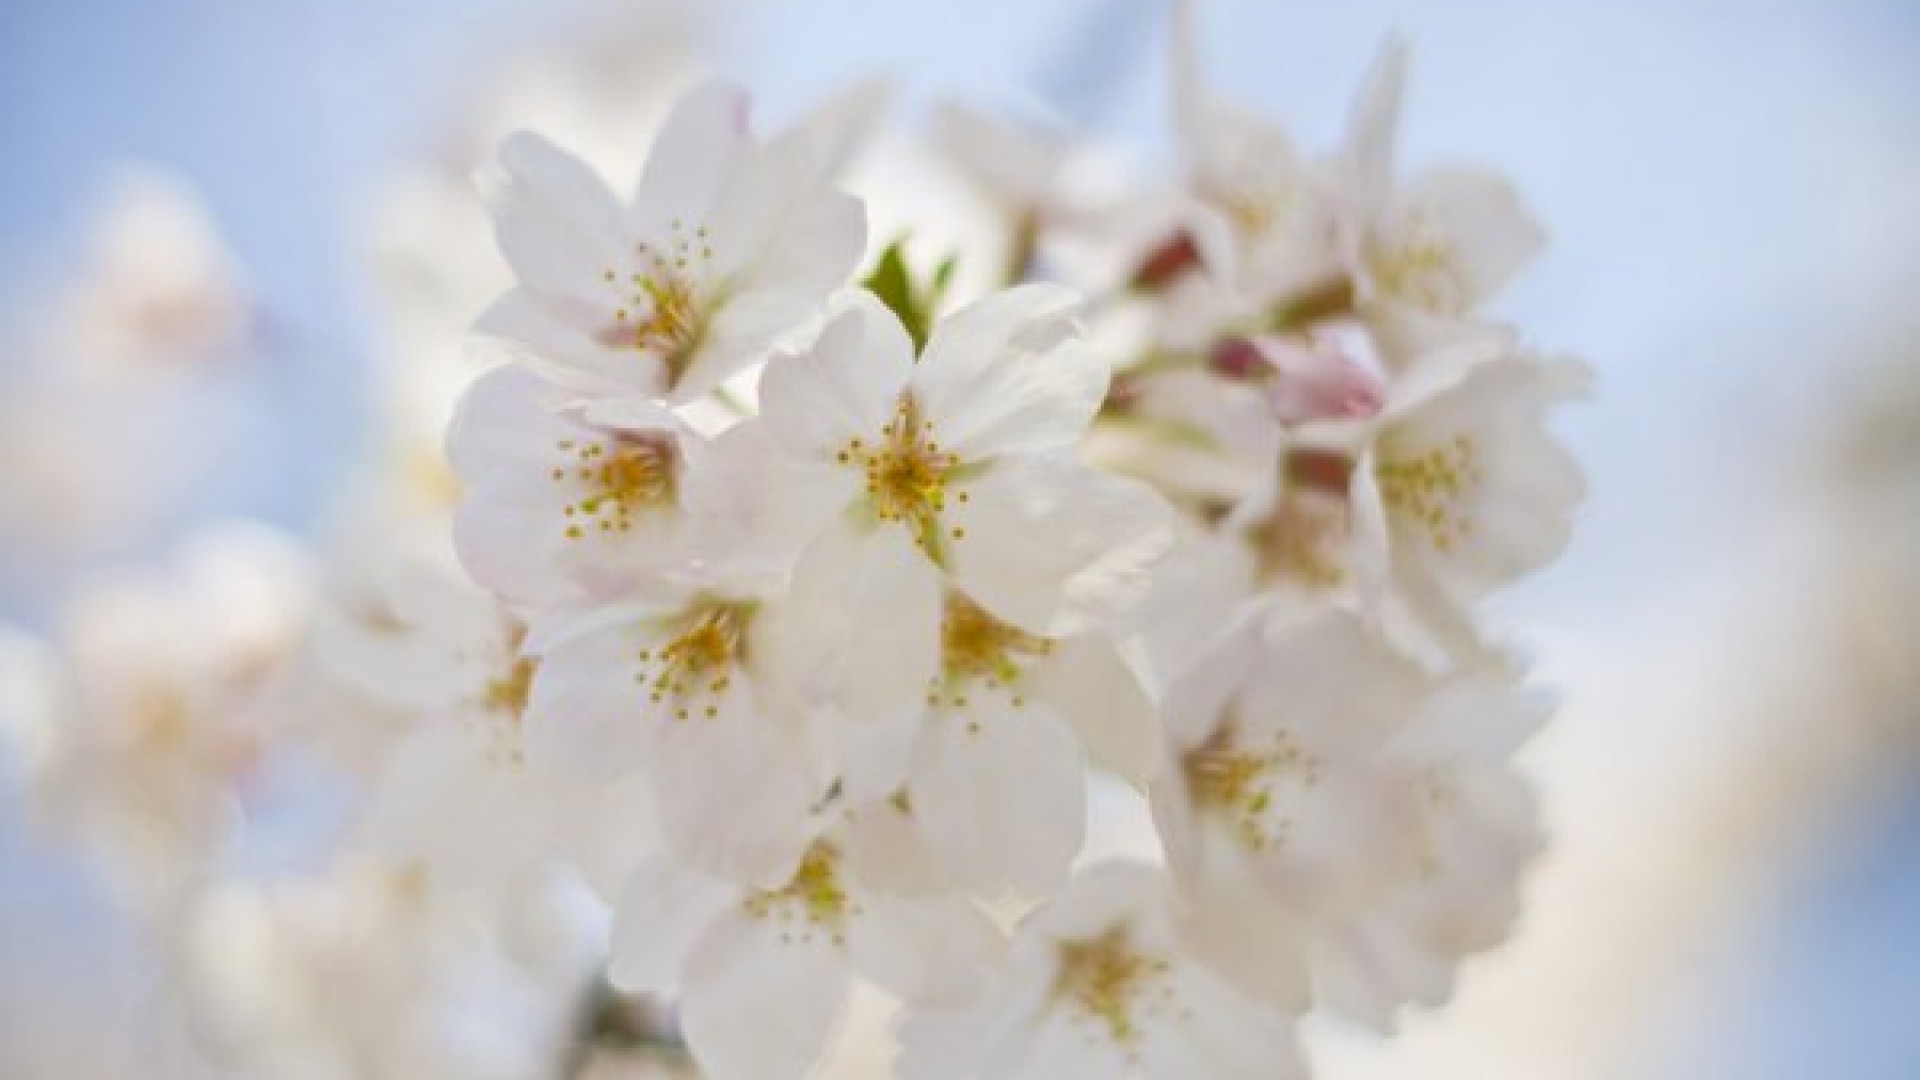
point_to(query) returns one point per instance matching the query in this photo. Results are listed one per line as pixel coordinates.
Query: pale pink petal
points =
(847, 386)
(858, 635)
(557, 223)
(698, 147)
(735, 791)
(1004, 375)
(930, 951)
(1098, 693)
(1054, 546)
(1001, 796)
(761, 1002)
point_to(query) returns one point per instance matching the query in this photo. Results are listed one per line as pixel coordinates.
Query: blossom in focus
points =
(686, 680)
(728, 244)
(559, 500)
(762, 974)
(993, 768)
(904, 479)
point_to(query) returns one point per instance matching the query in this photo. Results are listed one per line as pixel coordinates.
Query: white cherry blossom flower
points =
(367, 968)
(1262, 223)
(1475, 829)
(904, 478)
(1443, 243)
(1342, 825)
(994, 766)
(161, 289)
(684, 680)
(728, 245)
(1475, 489)
(1455, 488)
(561, 499)
(763, 974)
(1099, 983)
(440, 666)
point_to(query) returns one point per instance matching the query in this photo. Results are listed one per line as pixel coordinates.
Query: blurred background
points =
(240, 241)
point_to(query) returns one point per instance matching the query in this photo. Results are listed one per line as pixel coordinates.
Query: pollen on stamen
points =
(906, 476)
(693, 669)
(1237, 782)
(1432, 487)
(503, 703)
(663, 308)
(630, 475)
(813, 904)
(1108, 982)
(1302, 541)
(978, 650)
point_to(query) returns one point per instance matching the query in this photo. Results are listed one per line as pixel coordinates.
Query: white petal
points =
(1373, 130)
(1001, 796)
(1004, 375)
(934, 950)
(449, 798)
(736, 791)
(584, 715)
(1225, 146)
(1219, 1034)
(751, 506)
(1489, 232)
(1517, 499)
(978, 1039)
(840, 127)
(876, 756)
(1097, 692)
(1475, 717)
(847, 386)
(886, 852)
(507, 551)
(1367, 971)
(757, 1007)
(859, 633)
(663, 911)
(1334, 686)
(556, 222)
(562, 338)
(1054, 546)
(779, 223)
(610, 833)
(744, 329)
(698, 148)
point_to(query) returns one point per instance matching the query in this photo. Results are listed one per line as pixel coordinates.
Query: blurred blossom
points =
(159, 289)
(148, 754)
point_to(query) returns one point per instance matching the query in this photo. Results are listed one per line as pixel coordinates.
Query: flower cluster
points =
(815, 571)
(843, 588)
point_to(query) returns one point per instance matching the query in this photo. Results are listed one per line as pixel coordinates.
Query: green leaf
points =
(913, 301)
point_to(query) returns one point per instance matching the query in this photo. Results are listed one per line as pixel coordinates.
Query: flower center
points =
(622, 477)
(907, 476)
(813, 901)
(503, 701)
(976, 647)
(660, 312)
(1421, 267)
(1108, 981)
(694, 668)
(1303, 540)
(1429, 489)
(1237, 782)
